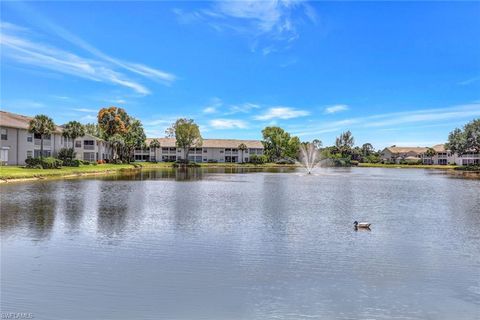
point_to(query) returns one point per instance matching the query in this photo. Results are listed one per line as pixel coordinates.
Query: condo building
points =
(211, 150)
(17, 144)
(442, 156)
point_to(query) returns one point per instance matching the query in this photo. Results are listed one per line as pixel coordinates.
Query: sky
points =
(394, 73)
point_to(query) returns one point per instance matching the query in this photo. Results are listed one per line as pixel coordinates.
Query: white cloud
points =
(228, 124)
(213, 106)
(18, 46)
(336, 108)
(88, 118)
(282, 113)
(395, 119)
(242, 108)
(270, 21)
(469, 81)
(85, 110)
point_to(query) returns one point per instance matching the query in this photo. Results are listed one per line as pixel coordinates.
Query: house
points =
(442, 156)
(212, 150)
(17, 144)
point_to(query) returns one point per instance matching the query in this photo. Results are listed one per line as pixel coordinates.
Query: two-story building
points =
(212, 150)
(17, 144)
(442, 156)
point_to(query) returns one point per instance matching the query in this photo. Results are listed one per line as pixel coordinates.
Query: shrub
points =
(256, 159)
(66, 154)
(354, 162)
(71, 163)
(100, 161)
(45, 163)
(212, 161)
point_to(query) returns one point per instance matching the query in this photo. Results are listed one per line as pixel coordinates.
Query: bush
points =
(354, 162)
(66, 154)
(45, 163)
(469, 167)
(100, 161)
(71, 163)
(212, 161)
(256, 159)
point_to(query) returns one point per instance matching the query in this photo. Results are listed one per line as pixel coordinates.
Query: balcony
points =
(89, 147)
(46, 143)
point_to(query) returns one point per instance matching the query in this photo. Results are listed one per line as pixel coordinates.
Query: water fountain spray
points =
(309, 156)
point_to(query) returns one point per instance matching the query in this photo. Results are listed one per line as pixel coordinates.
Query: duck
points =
(361, 224)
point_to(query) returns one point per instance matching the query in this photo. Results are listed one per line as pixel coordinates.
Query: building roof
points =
(13, 120)
(212, 143)
(417, 150)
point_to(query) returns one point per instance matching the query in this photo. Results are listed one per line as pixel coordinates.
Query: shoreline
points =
(85, 171)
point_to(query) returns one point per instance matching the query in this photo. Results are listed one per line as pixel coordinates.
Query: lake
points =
(248, 244)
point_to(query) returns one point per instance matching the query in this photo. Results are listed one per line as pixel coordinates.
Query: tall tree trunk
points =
(41, 147)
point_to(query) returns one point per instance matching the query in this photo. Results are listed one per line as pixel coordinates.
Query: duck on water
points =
(364, 225)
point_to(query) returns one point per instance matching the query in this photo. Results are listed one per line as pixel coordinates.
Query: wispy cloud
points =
(228, 124)
(242, 108)
(270, 21)
(469, 81)
(282, 113)
(395, 119)
(18, 45)
(336, 108)
(86, 110)
(213, 106)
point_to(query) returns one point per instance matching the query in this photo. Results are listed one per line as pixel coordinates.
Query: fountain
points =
(309, 156)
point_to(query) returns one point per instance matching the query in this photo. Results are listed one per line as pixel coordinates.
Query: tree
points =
(72, 130)
(41, 125)
(133, 138)
(242, 147)
(344, 143)
(113, 120)
(317, 143)
(367, 149)
(93, 129)
(466, 140)
(279, 144)
(187, 135)
(154, 144)
(117, 142)
(430, 152)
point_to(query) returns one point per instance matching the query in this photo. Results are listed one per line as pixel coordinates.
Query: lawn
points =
(16, 172)
(408, 166)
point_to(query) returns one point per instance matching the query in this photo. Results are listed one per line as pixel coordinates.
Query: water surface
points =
(212, 244)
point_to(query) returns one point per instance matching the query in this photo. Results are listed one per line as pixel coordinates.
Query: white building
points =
(17, 144)
(396, 154)
(212, 150)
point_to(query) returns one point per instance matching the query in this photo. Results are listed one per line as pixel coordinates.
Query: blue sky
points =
(402, 73)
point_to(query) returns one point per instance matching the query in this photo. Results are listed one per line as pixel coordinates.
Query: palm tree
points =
(154, 144)
(430, 153)
(117, 142)
(41, 125)
(72, 130)
(242, 147)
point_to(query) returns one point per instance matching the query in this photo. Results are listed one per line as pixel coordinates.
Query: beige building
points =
(17, 144)
(442, 156)
(212, 150)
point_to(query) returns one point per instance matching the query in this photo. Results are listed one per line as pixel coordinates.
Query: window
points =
(221, 151)
(47, 137)
(46, 153)
(204, 150)
(228, 149)
(246, 159)
(164, 149)
(78, 143)
(246, 151)
(178, 150)
(29, 138)
(89, 156)
(4, 134)
(88, 143)
(29, 154)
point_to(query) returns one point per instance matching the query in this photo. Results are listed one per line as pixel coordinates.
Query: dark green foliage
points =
(258, 159)
(44, 163)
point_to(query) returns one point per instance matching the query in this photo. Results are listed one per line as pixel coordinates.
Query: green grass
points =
(409, 166)
(16, 172)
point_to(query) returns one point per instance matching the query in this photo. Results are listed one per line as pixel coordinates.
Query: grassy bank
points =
(18, 173)
(407, 166)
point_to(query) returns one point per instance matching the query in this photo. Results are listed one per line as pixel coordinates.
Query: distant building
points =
(212, 150)
(442, 156)
(17, 144)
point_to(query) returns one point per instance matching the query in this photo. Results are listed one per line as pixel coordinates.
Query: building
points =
(17, 144)
(442, 156)
(212, 150)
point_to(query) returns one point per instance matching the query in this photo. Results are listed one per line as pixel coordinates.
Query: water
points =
(256, 245)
